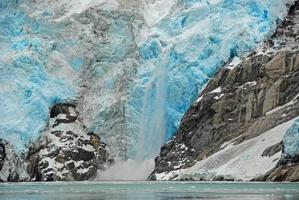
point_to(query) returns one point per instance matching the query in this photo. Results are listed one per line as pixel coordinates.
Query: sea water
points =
(149, 190)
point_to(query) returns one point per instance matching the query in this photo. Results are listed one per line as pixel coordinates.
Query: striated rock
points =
(277, 66)
(66, 151)
(242, 101)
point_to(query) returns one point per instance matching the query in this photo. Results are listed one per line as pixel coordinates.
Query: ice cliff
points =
(35, 73)
(132, 68)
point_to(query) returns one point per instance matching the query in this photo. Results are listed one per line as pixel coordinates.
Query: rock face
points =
(66, 151)
(2, 155)
(243, 100)
(12, 167)
(288, 172)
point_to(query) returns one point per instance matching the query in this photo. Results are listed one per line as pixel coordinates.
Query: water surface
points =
(149, 190)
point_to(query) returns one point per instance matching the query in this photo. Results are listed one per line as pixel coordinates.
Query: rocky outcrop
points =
(12, 166)
(66, 151)
(242, 101)
(2, 155)
(282, 172)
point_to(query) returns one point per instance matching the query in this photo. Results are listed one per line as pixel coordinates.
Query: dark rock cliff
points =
(12, 166)
(66, 151)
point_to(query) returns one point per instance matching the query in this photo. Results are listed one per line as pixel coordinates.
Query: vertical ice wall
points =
(134, 67)
(35, 73)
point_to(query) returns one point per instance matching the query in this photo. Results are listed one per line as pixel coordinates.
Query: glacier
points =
(29, 83)
(291, 140)
(133, 67)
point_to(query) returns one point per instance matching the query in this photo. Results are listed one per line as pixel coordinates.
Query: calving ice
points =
(112, 80)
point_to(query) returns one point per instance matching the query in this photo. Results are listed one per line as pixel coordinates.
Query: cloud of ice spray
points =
(129, 170)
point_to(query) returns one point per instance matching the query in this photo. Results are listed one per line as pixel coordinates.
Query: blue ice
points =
(27, 90)
(291, 140)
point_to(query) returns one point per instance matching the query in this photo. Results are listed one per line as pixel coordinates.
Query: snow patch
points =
(217, 90)
(199, 99)
(235, 62)
(243, 161)
(219, 97)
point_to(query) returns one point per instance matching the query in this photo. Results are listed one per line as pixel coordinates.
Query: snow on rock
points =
(217, 90)
(12, 165)
(242, 161)
(66, 151)
(234, 63)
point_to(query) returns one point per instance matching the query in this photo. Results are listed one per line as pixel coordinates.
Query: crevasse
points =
(134, 67)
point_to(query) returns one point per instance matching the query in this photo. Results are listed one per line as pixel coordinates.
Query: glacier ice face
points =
(134, 67)
(34, 74)
(291, 140)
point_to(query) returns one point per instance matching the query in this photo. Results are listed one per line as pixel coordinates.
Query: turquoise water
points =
(149, 190)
